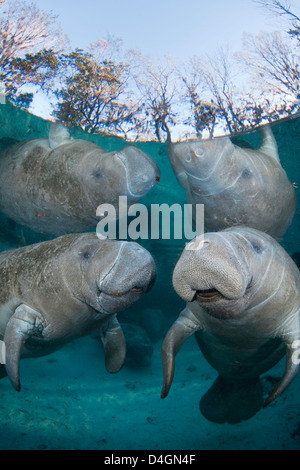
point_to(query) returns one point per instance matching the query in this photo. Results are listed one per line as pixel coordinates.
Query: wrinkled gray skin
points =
(243, 301)
(237, 186)
(55, 291)
(54, 186)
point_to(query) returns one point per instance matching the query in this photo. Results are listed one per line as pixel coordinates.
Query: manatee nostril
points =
(197, 244)
(199, 153)
(188, 157)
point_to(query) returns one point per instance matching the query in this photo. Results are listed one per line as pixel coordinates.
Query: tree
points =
(224, 98)
(24, 28)
(283, 9)
(213, 89)
(223, 80)
(25, 34)
(156, 86)
(204, 111)
(93, 94)
(38, 70)
(274, 63)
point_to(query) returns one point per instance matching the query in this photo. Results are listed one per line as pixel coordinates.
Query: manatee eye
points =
(97, 174)
(246, 173)
(87, 252)
(257, 247)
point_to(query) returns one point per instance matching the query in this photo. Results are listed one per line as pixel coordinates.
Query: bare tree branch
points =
(156, 85)
(273, 61)
(281, 8)
(24, 28)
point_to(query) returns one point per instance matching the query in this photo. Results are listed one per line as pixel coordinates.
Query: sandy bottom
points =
(69, 401)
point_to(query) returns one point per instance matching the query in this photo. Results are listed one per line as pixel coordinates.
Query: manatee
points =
(238, 186)
(243, 301)
(54, 186)
(59, 290)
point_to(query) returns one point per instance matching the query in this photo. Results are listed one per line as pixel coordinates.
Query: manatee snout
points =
(208, 270)
(199, 158)
(132, 275)
(142, 173)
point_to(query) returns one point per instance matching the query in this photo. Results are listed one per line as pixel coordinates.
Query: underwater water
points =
(68, 399)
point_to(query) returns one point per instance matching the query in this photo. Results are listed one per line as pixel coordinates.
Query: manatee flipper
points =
(291, 338)
(58, 135)
(24, 323)
(114, 344)
(182, 328)
(231, 401)
(269, 145)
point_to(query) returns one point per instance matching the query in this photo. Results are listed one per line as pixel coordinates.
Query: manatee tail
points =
(232, 401)
(269, 145)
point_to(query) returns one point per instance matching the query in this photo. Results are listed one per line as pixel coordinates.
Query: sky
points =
(180, 28)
